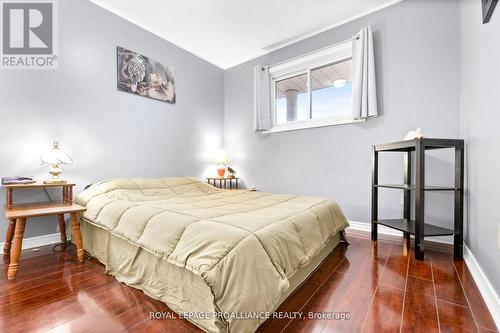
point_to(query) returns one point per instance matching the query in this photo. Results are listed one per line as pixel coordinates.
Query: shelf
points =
(409, 226)
(36, 185)
(428, 143)
(413, 188)
(41, 209)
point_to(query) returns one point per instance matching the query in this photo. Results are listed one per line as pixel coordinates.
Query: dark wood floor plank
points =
(47, 265)
(485, 330)
(420, 312)
(36, 252)
(106, 310)
(42, 280)
(59, 312)
(166, 325)
(55, 284)
(45, 253)
(336, 295)
(448, 287)
(90, 320)
(385, 312)
(420, 269)
(366, 279)
(139, 315)
(379, 249)
(118, 322)
(33, 264)
(382, 249)
(455, 318)
(422, 286)
(156, 326)
(357, 306)
(106, 327)
(298, 299)
(396, 268)
(361, 261)
(476, 302)
(53, 295)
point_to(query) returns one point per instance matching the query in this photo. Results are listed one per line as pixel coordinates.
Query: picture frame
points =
(488, 8)
(140, 75)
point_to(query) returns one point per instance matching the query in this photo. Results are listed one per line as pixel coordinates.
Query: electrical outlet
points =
(402, 199)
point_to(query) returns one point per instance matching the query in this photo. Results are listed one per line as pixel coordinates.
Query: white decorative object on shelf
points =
(414, 134)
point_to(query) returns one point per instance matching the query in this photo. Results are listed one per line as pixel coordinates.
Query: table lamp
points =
(221, 159)
(54, 158)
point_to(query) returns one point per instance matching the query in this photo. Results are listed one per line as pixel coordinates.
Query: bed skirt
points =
(180, 289)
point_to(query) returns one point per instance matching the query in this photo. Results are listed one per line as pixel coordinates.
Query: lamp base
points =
(221, 172)
(54, 182)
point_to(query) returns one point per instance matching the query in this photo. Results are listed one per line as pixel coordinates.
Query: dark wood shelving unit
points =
(417, 226)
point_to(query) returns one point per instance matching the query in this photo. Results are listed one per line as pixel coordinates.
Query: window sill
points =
(312, 123)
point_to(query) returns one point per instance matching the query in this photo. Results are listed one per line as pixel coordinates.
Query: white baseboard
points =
(31, 242)
(484, 285)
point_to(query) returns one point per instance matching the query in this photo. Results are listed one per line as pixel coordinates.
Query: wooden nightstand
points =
(17, 214)
(223, 182)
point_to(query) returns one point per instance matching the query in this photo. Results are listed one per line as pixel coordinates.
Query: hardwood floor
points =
(381, 286)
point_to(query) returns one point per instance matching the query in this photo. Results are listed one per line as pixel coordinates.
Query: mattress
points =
(218, 252)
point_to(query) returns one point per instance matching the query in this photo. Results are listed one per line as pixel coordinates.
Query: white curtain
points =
(364, 92)
(262, 99)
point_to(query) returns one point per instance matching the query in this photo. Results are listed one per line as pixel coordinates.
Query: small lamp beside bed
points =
(221, 159)
(54, 158)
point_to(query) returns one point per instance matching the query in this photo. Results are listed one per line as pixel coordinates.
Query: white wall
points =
(416, 45)
(108, 133)
(480, 119)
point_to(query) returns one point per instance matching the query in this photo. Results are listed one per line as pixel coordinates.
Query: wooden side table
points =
(223, 182)
(17, 215)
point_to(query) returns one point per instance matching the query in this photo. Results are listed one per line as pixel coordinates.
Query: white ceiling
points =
(230, 32)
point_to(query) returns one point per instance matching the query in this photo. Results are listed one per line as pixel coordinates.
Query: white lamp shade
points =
(221, 157)
(56, 156)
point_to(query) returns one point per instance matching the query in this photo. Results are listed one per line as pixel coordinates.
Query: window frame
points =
(305, 65)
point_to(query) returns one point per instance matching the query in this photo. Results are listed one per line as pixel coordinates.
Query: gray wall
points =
(108, 133)
(111, 133)
(416, 45)
(480, 105)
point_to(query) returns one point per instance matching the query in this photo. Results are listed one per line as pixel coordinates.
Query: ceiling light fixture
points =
(340, 83)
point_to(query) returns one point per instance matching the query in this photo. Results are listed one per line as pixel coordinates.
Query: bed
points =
(223, 259)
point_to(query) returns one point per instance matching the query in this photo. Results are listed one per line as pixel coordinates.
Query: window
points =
(291, 99)
(331, 93)
(313, 90)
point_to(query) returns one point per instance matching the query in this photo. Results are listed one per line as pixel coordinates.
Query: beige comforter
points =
(244, 245)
